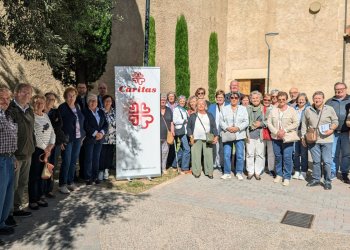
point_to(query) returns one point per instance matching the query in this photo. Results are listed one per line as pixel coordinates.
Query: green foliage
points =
(213, 65)
(152, 42)
(182, 70)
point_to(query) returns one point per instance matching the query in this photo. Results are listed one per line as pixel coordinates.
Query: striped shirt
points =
(8, 134)
(43, 130)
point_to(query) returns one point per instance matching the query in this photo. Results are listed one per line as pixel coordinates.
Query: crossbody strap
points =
(201, 122)
(319, 118)
(165, 122)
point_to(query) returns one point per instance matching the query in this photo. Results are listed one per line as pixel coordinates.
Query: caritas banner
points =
(137, 122)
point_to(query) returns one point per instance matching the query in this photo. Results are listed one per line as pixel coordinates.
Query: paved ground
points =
(189, 213)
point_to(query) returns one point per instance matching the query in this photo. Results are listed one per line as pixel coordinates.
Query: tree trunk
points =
(80, 73)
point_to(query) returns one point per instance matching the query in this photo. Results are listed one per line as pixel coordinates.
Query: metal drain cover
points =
(298, 219)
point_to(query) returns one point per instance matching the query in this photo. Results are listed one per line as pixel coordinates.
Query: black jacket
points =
(90, 126)
(57, 123)
(192, 121)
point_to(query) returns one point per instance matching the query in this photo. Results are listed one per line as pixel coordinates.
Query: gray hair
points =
(274, 91)
(91, 97)
(163, 96)
(255, 92)
(182, 97)
(204, 101)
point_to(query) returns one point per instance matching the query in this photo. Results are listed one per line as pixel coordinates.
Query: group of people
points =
(33, 132)
(255, 130)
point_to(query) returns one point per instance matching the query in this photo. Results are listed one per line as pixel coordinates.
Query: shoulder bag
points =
(48, 168)
(311, 133)
(169, 136)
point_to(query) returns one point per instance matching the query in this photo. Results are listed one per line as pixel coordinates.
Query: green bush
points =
(152, 42)
(182, 70)
(213, 65)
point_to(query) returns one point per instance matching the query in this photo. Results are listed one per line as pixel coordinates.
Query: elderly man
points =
(8, 145)
(82, 94)
(234, 88)
(102, 91)
(341, 144)
(293, 93)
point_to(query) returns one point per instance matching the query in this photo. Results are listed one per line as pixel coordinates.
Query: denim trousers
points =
(300, 157)
(341, 153)
(7, 172)
(35, 183)
(69, 160)
(92, 160)
(240, 154)
(284, 162)
(321, 152)
(183, 154)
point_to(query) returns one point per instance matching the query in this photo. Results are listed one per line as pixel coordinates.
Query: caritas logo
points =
(139, 79)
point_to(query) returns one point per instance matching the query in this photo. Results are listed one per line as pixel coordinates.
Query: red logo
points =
(140, 115)
(138, 77)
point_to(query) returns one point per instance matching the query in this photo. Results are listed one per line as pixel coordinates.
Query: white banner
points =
(138, 122)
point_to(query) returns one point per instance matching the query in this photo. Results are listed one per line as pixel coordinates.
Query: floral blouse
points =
(110, 137)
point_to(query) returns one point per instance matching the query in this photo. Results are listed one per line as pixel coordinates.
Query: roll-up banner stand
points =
(137, 122)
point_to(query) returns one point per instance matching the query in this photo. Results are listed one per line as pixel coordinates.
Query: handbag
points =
(311, 133)
(227, 136)
(48, 168)
(291, 136)
(169, 136)
(181, 131)
(209, 136)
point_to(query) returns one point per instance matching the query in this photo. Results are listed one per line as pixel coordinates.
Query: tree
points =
(152, 42)
(72, 36)
(213, 65)
(182, 70)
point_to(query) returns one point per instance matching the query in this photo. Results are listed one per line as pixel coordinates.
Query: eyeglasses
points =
(234, 98)
(339, 90)
(200, 93)
(282, 100)
(267, 100)
(274, 96)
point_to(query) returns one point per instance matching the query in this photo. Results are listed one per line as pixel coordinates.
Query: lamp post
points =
(268, 58)
(145, 55)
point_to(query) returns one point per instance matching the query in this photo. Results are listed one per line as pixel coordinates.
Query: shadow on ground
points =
(56, 227)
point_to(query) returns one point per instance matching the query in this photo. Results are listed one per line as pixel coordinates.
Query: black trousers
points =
(107, 156)
(35, 183)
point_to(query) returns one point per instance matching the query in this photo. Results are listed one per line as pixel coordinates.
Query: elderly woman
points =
(324, 120)
(255, 157)
(283, 122)
(108, 146)
(300, 151)
(180, 119)
(166, 125)
(266, 134)
(45, 141)
(245, 100)
(96, 127)
(73, 128)
(216, 110)
(198, 127)
(274, 94)
(171, 100)
(200, 94)
(234, 120)
(192, 105)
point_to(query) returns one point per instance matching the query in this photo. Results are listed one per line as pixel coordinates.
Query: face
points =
(171, 98)
(234, 86)
(301, 101)
(255, 100)
(24, 95)
(282, 101)
(107, 103)
(70, 97)
(234, 100)
(102, 89)
(293, 93)
(318, 100)
(182, 102)
(201, 105)
(340, 91)
(50, 101)
(193, 104)
(245, 101)
(39, 105)
(267, 101)
(162, 102)
(200, 94)
(5, 99)
(220, 99)
(92, 104)
(82, 89)
(274, 98)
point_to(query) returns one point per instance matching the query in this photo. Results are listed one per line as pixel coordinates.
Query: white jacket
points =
(241, 120)
(180, 117)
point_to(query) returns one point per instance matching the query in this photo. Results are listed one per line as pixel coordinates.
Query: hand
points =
(257, 124)
(235, 129)
(99, 136)
(215, 140)
(230, 129)
(281, 133)
(16, 165)
(63, 146)
(191, 140)
(329, 132)
(303, 142)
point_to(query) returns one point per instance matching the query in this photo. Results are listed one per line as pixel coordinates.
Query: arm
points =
(245, 120)
(270, 124)
(222, 122)
(190, 125)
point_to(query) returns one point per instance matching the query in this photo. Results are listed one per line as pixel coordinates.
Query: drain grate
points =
(298, 219)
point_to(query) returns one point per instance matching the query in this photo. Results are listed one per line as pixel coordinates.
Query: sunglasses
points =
(200, 93)
(234, 98)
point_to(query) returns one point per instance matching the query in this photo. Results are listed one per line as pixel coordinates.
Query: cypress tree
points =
(213, 65)
(152, 42)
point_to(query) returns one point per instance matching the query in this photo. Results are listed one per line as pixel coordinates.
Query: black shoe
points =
(273, 174)
(33, 206)
(6, 230)
(42, 203)
(10, 221)
(196, 176)
(257, 177)
(210, 177)
(313, 183)
(88, 182)
(97, 182)
(249, 177)
(346, 178)
(50, 195)
(327, 186)
(2, 243)
(22, 213)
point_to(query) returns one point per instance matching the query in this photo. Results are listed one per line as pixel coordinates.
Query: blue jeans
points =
(7, 173)
(321, 152)
(283, 158)
(341, 144)
(69, 160)
(240, 155)
(184, 154)
(92, 160)
(300, 157)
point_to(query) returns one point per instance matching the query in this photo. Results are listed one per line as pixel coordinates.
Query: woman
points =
(171, 100)
(267, 107)
(172, 104)
(274, 101)
(45, 141)
(324, 120)
(300, 152)
(192, 105)
(216, 110)
(234, 120)
(96, 127)
(56, 121)
(283, 122)
(166, 125)
(108, 146)
(200, 94)
(199, 124)
(245, 100)
(255, 157)
(73, 128)
(180, 119)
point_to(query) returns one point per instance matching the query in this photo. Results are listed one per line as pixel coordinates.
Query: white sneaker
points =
(239, 177)
(71, 187)
(286, 183)
(106, 174)
(100, 176)
(225, 176)
(302, 176)
(296, 175)
(64, 190)
(277, 179)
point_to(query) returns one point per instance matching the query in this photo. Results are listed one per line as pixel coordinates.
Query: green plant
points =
(213, 65)
(152, 42)
(182, 70)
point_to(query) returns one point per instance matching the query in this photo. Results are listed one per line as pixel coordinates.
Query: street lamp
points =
(145, 58)
(268, 58)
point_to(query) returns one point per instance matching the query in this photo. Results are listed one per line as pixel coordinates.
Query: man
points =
(8, 145)
(293, 93)
(234, 88)
(82, 93)
(341, 144)
(23, 116)
(102, 90)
